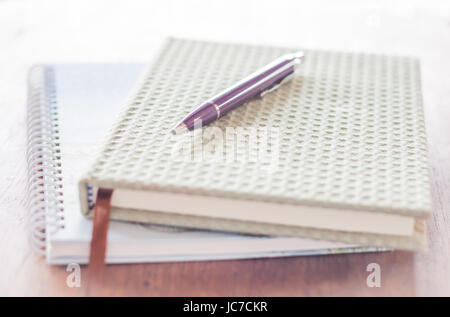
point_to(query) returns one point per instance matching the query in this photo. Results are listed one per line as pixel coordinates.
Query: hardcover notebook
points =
(340, 150)
(70, 109)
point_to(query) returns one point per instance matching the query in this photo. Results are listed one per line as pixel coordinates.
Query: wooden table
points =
(56, 31)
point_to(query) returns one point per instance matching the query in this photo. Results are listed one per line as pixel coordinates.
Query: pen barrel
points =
(265, 79)
(254, 78)
(252, 91)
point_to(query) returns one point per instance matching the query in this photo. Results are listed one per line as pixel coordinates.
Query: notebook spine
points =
(45, 195)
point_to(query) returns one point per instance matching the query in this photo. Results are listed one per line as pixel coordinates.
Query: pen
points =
(264, 80)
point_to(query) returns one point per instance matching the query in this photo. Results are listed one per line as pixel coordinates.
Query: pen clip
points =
(276, 86)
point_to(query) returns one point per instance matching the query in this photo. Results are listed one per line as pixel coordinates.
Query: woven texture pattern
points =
(351, 130)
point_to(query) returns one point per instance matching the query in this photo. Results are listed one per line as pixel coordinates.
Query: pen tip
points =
(179, 128)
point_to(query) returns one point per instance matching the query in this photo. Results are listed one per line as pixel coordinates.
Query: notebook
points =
(70, 109)
(342, 153)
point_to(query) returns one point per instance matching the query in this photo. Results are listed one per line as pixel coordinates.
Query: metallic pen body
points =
(266, 79)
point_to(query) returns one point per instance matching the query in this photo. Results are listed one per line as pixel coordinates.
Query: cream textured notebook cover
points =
(350, 158)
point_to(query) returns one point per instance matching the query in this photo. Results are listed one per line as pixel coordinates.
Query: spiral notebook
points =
(70, 109)
(347, 162)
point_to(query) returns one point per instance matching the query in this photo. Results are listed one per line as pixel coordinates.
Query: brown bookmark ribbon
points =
(100, 231)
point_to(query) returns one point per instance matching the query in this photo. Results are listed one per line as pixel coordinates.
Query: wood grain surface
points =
(99, 31)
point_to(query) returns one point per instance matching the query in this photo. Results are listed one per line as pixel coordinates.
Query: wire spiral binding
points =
(45, 195)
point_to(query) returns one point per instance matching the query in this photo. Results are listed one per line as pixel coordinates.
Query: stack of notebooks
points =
(349, 172)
